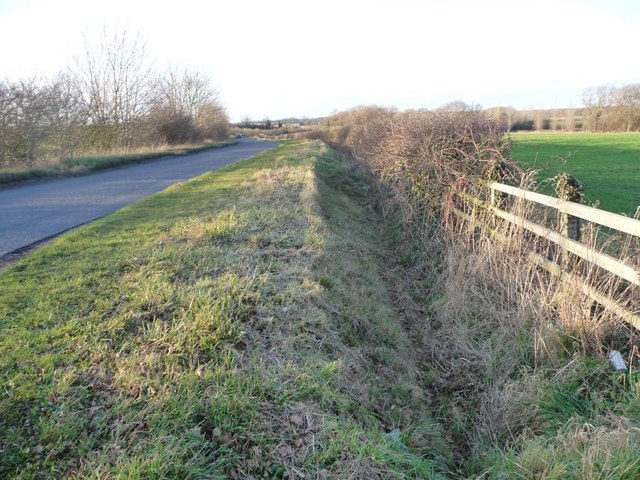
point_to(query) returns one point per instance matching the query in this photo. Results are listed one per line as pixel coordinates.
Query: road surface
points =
(32, 212)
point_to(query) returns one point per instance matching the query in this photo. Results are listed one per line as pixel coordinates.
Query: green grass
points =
(608, 164)
(233, 326)
(82, 165)
(583, 423)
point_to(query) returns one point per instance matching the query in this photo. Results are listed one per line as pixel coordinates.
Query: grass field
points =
(608, 164)
(234, 326)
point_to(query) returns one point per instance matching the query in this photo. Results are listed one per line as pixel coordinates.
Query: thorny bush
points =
(499, 330)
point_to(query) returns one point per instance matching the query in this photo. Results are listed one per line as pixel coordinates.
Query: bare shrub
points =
(358, 130)
(21, 120)
(109, 100)
(39, 119)
(186, 109)
(166, 126)
(500, 327)
(424, 153)
(211, 122)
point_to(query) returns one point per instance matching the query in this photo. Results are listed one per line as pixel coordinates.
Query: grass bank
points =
(238, 325)
(608, 164)
(83, 165)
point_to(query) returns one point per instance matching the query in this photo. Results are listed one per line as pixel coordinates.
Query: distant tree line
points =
(109, 98)
(613, 109)
(605, 109)
(265, 124)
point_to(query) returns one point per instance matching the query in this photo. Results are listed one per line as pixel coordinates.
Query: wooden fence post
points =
(497, 198)
(570, 190)
(496, 172)
(571, 226)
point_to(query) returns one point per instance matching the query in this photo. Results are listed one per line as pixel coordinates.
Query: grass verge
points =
(233, 326)
(608, 164)
(83, 165)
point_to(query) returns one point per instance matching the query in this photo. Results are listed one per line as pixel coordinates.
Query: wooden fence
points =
(567, 238)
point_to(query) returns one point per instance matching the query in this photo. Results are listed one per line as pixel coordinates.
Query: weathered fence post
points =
(496, 172)
(571, 190)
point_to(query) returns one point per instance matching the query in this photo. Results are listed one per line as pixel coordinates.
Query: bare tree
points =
(627, 99)
(38, 119)
(570, 119)
(597, 100)
(108, 98)
(24, 108)
(539, 120)
(7, 122)
(460, 106)
(114, 78)
(505, 115)
(212, 122)
(66, 115)
(187, 108)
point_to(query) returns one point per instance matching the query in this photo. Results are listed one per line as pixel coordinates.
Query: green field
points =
(607, 164)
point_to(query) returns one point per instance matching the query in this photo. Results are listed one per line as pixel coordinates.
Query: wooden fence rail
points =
(594, 215)
(569, 240)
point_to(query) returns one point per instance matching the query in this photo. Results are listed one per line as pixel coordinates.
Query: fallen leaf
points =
(296, 420)
(285, 451)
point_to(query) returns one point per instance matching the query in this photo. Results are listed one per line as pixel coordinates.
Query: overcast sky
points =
(283, 58)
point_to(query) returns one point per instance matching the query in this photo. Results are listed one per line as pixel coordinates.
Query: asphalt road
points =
(32, 212)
